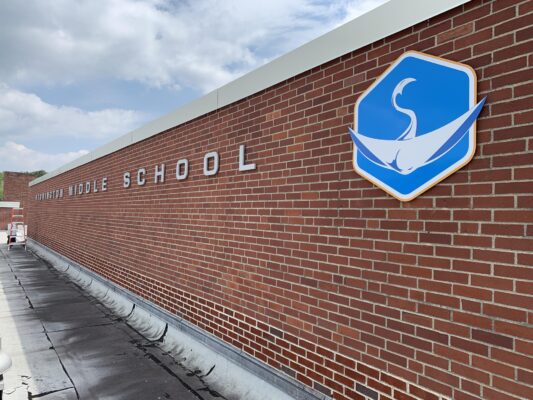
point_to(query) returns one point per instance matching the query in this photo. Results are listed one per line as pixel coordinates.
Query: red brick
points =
(421, 393)
(472, 373)
(491, 394)
(492, 366)
(524, 90)
(494, 44)
(512, 51)
(525, 259)
(513, 329)
(514, 24)
(477, 12)
(494, 256)
(502, 230)
(525, 117)
(512, 299)
(492, 338)
(496, 17)
(525, 8)
(521, 104)
(525, 377)
(525, 347)
(518, 272)
(524, 287)
(456, 32)
(514, 243)
(472, 320)
(472, 292)
(505, 147)
(523, 216)
(469, 346)
(459, 395)
(451, 328)
(512, 387)
(472, 240)
(514, 187)
(512, 358)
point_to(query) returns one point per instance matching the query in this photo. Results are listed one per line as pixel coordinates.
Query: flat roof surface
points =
(65, 344)
(383, 21)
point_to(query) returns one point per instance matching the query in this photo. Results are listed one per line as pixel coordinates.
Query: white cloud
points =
(200, 44)
(355, 8)
(26, 116)
(17, 157)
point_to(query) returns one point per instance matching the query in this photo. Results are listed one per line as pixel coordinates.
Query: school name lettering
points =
(51, 194)
(211, 166)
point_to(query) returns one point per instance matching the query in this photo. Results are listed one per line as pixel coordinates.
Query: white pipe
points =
(5, 364)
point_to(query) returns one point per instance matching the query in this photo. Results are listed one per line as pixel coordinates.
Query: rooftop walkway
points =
(66, 345)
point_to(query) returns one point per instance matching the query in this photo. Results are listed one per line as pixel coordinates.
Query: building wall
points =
(5, 218)
(16, 186)
(15, 190)
(308, 267)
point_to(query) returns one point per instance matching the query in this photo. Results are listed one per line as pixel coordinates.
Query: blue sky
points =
(75, 74)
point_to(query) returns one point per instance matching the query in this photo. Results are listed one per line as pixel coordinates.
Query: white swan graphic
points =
(409, 152)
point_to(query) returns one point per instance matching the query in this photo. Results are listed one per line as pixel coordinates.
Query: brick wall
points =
(16, 186)
(5, 218)
(15, 189)
(313, 270)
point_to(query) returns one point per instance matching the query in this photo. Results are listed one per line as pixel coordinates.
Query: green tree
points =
(37, 174)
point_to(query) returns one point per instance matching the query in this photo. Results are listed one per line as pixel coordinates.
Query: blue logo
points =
(416, 124)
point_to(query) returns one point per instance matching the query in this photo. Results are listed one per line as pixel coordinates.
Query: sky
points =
(76, 74)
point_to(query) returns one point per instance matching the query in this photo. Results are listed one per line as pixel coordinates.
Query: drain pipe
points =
(5, 364)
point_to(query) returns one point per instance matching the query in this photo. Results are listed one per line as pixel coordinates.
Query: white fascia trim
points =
(9, 204)
(383, 21)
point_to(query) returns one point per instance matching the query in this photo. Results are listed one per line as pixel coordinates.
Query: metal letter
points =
(207, 157)
(104, 184)
(185, 163)
(127, 179)
(141, 180)
(88, 187)
(159, 173)
(242, 165)
(95, 187)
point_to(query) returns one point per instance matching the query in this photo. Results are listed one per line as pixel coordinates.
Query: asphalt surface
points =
(67, 345)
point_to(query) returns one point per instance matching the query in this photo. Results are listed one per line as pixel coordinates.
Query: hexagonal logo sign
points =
(416, 124)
